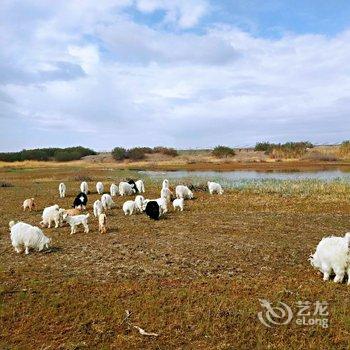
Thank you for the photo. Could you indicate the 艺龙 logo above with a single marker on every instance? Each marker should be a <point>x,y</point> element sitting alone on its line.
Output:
<point>308,314</point>
<point>275,315</point>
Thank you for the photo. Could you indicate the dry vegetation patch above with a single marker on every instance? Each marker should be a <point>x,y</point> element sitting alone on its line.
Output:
<point>194,277</point>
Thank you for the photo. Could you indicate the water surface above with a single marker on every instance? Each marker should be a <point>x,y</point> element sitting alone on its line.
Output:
<point>249,175</point>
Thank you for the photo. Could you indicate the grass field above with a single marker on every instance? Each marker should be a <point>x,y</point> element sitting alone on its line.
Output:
<point>195,278</point>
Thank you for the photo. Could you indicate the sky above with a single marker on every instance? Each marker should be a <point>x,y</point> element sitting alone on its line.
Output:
<point>177,73</point>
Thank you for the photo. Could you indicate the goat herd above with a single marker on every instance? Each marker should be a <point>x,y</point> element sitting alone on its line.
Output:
<point>332,254</point>
<point>26,236</point>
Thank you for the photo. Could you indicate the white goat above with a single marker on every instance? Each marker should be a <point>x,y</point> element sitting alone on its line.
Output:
<point>163,208</point>
<point>99,187</point>
<point>129,207</point>
<point>107,201</point>
<point>165,184</point>
<point>28,203</point>
<point>125,189</point>
<point>76,220</point>
<point>179,203</point>
<point>214,187</point>
<point>53,213</point>
<point>62,190</point>
<point>140,186</point>
<point>102,223</point>
<point>98,208</point>
<point>27,236</point>
<point>114,190</point>
<point>166,194</point>
<point>139,202</point>
<point>332,255</point>
<point>183,192</point>
<point>84,187</point>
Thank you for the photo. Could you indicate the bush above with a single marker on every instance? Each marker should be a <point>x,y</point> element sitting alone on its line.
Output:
<point>264,146</point>
<point>45,154</point>
<point>145,150</point>
<point>344,148</point>
<point>289,150</point>
<point>285,150</point>
<point>66,156</point>
<point>72,153</point>
<point>223,152</point>
<point>83,152</point>
<point>36,154</point>
<point>136,153</point>
<point>119,153</point>
<point>166,150</point>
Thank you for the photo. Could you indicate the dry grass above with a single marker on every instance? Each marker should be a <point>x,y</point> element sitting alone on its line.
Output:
<point>193,160</point>
<point>320,156</point>
<point>344,149</point>
<point>195,277</point>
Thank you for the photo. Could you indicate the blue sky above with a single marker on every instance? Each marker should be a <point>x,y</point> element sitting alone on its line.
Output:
<point>187,73</point>
<point>273,18</point>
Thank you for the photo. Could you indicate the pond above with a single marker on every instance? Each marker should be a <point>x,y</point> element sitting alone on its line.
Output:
<point>239,175</point>
<point>244,178</point>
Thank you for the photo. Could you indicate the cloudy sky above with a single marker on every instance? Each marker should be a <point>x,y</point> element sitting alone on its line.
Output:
<point>180,73</point>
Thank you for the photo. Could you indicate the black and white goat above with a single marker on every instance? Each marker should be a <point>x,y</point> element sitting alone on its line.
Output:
<point>80,201</point>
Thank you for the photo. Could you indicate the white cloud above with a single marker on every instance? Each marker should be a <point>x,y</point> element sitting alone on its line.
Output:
<point>135,43</point>
<point>184,13</point>
<point>99,74</point>
<point>86,56</point>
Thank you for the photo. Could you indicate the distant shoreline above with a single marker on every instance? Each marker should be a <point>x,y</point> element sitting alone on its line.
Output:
<point>174,165</point>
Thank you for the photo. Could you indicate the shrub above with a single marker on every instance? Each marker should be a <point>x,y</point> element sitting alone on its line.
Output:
<point>344,148</point>
<point>286,150</point>
<point>146,149</point>
<point>66,156</point>
<point>290,149</point>
<point>172,152</point>
<point>72,153</point>
<point>135,153</point>
<point>264,146</point>
<point>83,152</point>
<point>166,150</point>
<point>138,153</point>
<point>119,153</point>
<point>45,154</point>
<point>223,152</point>
<point>36,154</point>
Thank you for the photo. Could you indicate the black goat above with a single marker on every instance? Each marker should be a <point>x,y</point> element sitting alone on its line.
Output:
<point>152,210</point>
<point>80,200</point>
